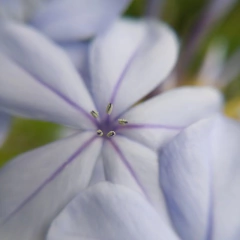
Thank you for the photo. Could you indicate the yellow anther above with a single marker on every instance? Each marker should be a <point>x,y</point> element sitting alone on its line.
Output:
<point>99,132</point>
<point>109,108</point>
<point>111,134</point>
<point>122,121</point>
<point>94,114</point>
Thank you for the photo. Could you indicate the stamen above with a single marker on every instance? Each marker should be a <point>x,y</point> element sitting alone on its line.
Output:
<point>111,134</point>
<point>99,132</point>
<point>94,114</point>
<point>122,121</point>
<point>109,108</point>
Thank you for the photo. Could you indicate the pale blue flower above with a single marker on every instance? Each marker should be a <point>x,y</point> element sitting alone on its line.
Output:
<point>200,178</point>
<point>68,22</point>
<point>112,212</point>
<point>38,81</point>
<point>64,20</point>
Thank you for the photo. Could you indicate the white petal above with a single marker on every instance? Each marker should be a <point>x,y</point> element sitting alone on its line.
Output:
<point>157,120</point>
<point>78,53</point>
<point>200,175</point>
<point>65,20</point>
<point>108,211</point>
<point>135,166</point>
<point>35,186</point>
<point>98,172</point>
<point>19,10</point>
<point>129,61</point>
<point>38,80</point>
<point>5,122</point>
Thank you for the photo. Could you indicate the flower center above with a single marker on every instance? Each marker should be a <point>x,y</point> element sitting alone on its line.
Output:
<point>106,127</point>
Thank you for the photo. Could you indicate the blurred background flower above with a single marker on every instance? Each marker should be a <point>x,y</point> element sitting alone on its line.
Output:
<point>210,40</point>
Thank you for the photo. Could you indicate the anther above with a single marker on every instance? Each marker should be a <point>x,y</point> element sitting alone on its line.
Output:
<point>94,114</point>
<point>109,108</point>
<point>111,134</point>
<point>122,121</point>
<point>99,132</point>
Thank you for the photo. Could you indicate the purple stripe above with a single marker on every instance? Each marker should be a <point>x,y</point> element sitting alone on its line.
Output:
<point>51,177</point>
<point>142,125</point>
<point>124,72</point>
<point>129,168</point>
<point>66,99</point>
<point>58,93</point>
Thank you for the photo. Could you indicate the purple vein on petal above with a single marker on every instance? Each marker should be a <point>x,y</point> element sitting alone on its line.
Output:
<point>129,168</point>
<point>58,93</point>
<point>51,178</point>
<point>67,100</point>
<point>124,72</point>
<point>143,125</point>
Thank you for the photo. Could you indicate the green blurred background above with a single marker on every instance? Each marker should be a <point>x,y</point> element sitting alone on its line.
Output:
<point>181,15</point>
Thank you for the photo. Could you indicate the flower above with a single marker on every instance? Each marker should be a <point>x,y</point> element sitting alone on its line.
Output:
<point>205,186</point>
<point>70,23</point>
<point>213,12</point>
<point>110,211</point>
<point>64,20</point>
<point>38,81</point>
<point>216,70</point>
<point>199,175</point>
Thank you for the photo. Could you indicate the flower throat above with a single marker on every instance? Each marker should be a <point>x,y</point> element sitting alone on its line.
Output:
<point>110,133</point>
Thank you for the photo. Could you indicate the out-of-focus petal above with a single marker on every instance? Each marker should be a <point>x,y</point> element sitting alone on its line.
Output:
<point>135,166</point>
<point>38,80</point>
<point>157,120</point>
<point>65,20</point>
<point>211,69</point>
<point>217,70</point>
<point>36,186</point>
<point>78,53</point>
<point>231,69</point>
<point>216,9</point>
<point>129,60</point>
<point>20,10</point>
<point>5,122</point>
<point>107,211</point>
<point>200,176</point>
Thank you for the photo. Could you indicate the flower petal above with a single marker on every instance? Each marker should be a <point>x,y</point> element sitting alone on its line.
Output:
<point>65,20</point>
<point>78,53</point>
<point>157,120</point>
<point>18,10</point>
<point>129,61</point>
<point>200,176</point>
<point>35,186</point>
<point>5,122</point>
<point>210,72</point>
<point>135,166</point>
<point>107,211</point>
<point>38,80</point>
